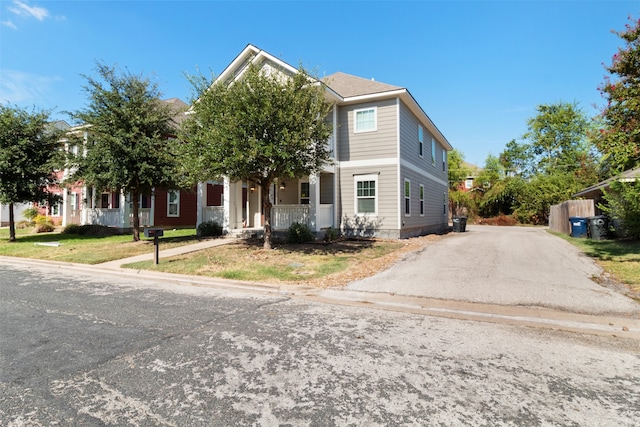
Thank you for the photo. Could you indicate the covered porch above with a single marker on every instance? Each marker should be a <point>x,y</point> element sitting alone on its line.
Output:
<point>238,205</point>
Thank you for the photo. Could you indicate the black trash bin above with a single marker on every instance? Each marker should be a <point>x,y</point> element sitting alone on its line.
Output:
<point>459,224</point>
<point>578,226</point>
<point>598,227</point>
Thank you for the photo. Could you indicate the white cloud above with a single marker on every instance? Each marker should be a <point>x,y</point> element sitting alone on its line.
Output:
<point>23,9</point>
<point>9,24</point>
<point>18,87</point>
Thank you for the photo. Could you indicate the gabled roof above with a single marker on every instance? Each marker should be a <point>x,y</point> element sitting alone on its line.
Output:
<point>628,175</point>
<point>178,108</point>
<point>340,87</point>
<point>348,86</point>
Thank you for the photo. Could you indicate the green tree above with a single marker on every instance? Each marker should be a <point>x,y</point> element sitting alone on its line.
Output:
<point>29,154</point>
<point>557,138</point>
<point>259,128</point>
<point>129,148</point>
<point>623,202</point>
<point>457,169</point>
<point>516,159</point>
<point>619,139</point>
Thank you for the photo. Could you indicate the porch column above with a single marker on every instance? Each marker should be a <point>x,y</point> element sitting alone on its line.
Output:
<point>199,202</point>
<point>84,205</point>
<point>226,204</point>
<point>124,209</point>
<point>65,207</point>
<point>152,211</point>
<point>314,201</point>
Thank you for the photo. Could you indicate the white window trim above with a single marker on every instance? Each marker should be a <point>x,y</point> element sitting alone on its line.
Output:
<point>420,141</point>
<point>177,202</point>
<point>405,198</point>
<point>300,198</point>
<point>375,120</point>
<point>370,177</point>
<point>421,197</point>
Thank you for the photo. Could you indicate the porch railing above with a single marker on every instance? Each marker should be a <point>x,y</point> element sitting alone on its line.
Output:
<point>101,216</point>
<point>284,215</point>
<point>145,217</point>
<point>213,213</point>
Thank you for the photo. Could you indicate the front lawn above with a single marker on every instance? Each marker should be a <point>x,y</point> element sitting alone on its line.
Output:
<point>316,264</point>
<point>57,246</point>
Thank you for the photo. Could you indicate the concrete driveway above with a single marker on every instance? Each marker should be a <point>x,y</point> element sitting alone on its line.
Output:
<point>516,266</point>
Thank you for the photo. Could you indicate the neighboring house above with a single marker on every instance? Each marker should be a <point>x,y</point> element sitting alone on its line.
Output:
<point>470,180</point>
<point>595,192</point>
<point>18,208</point>
<point>388,177</point>
<point>80,204</point>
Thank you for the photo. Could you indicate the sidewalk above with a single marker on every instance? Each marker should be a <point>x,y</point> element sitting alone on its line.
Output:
<point>206,244</point>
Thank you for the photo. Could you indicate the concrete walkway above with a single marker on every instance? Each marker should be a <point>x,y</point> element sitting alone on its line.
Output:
<point>206,244</point>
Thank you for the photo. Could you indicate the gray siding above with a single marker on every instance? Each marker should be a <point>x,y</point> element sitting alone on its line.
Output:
<point>435,202</point>
<point>368,145</point>
<point>386,221</point>
<point>409,146</point>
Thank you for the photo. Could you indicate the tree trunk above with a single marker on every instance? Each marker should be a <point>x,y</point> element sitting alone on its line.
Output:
<point>12,224</point>
<point>266,207</point>
<point>135,196</point>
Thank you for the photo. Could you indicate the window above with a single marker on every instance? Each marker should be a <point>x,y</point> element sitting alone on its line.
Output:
<point>366,197</point>
<point>444,203</point>
<point>433,151</point>
<point>365,120</point>
<point>444,160</point>
<point>173,203</point>
<point>420,140</point>
<point>421,200</point>
<point>55,209</point>
<point>468,183</point>
<point>104,201</point>
<point>407,197</point>
<point>74,202</point>
<point>304,193</point>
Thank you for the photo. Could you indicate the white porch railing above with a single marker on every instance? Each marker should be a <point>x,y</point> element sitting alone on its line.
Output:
<point>101,216</point>
<point>213,213</point>
<point>112,217</point>
<point>145,217</point>
<point>284,215</point>
<point>325,216</point>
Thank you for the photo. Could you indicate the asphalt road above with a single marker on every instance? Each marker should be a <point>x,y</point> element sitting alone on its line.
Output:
<point>104,349</point>
<point>514,266</point>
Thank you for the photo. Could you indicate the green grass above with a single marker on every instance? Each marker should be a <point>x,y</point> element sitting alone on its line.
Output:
<point>620,258</point>
<point>247,261</point>
<point>86,249</point>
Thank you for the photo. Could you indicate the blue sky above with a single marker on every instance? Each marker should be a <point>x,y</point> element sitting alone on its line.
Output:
<point>478,68</point>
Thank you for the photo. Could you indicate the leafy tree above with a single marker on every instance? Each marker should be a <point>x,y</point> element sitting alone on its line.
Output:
<point>619,139</point>
<point>29,155</point>
<point>516,159</point>
<point>129,126</point>
<point>457,169</point>
<point>262,127</point>
<point>538,194</point>
<point>623,202</point>
<point>557,139</point>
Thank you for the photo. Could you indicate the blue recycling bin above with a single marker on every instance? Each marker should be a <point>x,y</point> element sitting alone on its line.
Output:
<point>578,226</point>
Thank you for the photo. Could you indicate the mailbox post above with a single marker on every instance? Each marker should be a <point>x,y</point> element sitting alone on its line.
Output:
<point>155,233</point>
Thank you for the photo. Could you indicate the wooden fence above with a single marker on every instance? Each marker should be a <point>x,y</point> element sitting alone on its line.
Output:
<point>560,214</point>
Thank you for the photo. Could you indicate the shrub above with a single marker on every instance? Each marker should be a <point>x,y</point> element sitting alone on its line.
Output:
<point>42,219</point>
<point>24,224</point>
<point>209,228</point>
<point>90,230</point>
<point>331,234</point>
<point>299,233</point>
<point>46,227</point>
<point>30,213</point>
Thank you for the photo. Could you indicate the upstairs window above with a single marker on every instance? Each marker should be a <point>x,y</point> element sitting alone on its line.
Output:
<point>420,140</point>
<point>444,160</point>
<point>365,120</point>
<point>433,151</point>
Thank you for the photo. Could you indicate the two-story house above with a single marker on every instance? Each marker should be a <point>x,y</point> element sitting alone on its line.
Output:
<point>388,177</point>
